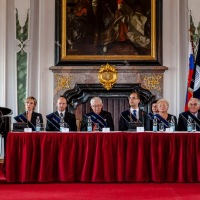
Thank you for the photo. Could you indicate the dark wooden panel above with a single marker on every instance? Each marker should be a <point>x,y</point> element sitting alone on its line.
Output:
<point>115,100</point>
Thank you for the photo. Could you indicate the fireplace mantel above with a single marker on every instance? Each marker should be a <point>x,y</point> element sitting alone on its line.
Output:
<point>66,78</point>
<point>120,69</point>
<point>149,77</point>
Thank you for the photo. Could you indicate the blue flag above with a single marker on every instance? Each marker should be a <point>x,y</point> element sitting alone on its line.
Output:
<point>196,76</point>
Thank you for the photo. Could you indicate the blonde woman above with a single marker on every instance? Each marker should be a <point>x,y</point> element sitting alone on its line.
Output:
<point>30,114</point>
<point>163,116</point>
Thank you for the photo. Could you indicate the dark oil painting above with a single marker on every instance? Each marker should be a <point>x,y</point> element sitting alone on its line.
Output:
<point>109,30</point>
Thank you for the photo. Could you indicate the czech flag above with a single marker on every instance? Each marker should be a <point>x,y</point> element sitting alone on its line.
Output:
<point>190,87</point>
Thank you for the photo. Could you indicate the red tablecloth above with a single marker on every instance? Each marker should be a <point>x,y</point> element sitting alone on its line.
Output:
<point>103,157</point>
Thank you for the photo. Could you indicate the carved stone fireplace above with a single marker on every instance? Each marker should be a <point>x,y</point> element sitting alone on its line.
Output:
<point>80,83</point>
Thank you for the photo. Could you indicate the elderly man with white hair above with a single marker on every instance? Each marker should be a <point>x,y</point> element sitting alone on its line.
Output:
<point>98,116</point>
<point>193,113</point>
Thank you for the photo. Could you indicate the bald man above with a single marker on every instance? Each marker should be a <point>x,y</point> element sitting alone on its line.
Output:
<point>68,117</point>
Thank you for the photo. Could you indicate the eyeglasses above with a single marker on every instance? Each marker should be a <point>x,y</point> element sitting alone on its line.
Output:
<point>96,106</point>
<point>193,104</point>
<point>133,98</point>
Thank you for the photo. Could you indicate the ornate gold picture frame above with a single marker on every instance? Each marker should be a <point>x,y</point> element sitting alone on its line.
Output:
<point>101,31</point>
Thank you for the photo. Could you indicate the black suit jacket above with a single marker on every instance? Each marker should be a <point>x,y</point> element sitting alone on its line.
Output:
<point>69,118</point>
<point>34,117</point>
<point>105,115</point>
<point>182,121</point>
<point>124,123</point>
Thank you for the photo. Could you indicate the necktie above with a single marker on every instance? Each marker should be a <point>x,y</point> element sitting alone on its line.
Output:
<point>134,113</point>
<point>61,115</point>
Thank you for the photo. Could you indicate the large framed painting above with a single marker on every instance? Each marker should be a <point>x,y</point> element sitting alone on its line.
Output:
<point>121,32</point>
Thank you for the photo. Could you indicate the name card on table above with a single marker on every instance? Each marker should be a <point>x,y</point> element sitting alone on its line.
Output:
<point>105,129</point>
<point>140,129</point>
<point>64,130</point>
<point>171,129</point>
<point>28,130</point>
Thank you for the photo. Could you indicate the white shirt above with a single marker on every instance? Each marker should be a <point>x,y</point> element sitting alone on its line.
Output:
<point>137,112</point>
<point>63,112</point>
<point>196,114</point>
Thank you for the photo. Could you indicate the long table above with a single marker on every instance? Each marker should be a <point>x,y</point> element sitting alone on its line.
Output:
<point>103,157</point>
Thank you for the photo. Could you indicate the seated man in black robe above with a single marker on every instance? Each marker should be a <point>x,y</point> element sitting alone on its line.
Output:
<point>134,114</point>
<point>98,116</point>
<point>53,119</point>
<point>193,113</point>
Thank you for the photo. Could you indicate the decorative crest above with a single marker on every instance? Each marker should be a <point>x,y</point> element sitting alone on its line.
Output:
<point>107,76</point>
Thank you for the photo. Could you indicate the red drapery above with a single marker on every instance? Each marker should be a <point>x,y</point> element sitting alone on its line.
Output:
<point>103,157</point>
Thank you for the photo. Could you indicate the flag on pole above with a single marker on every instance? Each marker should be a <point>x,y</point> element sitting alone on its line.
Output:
<point>189,92</point>
<point>193,87</point>
<point>196,75</point>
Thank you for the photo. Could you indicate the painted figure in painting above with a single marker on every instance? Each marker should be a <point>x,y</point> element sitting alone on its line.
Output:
<point>80,19</point>
<point>108,27</point>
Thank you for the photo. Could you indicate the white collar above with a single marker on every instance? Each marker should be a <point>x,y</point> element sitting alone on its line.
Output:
<point>137,110</point>
<point>63,112</point>
<point>196,114</point>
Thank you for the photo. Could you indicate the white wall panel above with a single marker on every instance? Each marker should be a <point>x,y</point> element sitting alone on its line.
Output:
<point>174,56</point>
<point>46,55</point>
<point>2,52</point>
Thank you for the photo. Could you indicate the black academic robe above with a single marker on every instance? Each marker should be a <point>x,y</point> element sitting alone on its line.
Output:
<point>169,117</point>
<point>183,119</point>
<point>105,115</point>
<point>34,117</point>
<point>125,119</point>
<point>69,118</point>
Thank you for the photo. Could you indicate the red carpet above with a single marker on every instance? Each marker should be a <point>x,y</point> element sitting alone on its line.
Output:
<point>100,191</point>
<point>84,191</point>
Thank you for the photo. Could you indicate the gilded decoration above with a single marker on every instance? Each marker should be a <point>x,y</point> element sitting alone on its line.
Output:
<point>107,76</point>
<point>63,82</point>
<point>153,82</point>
